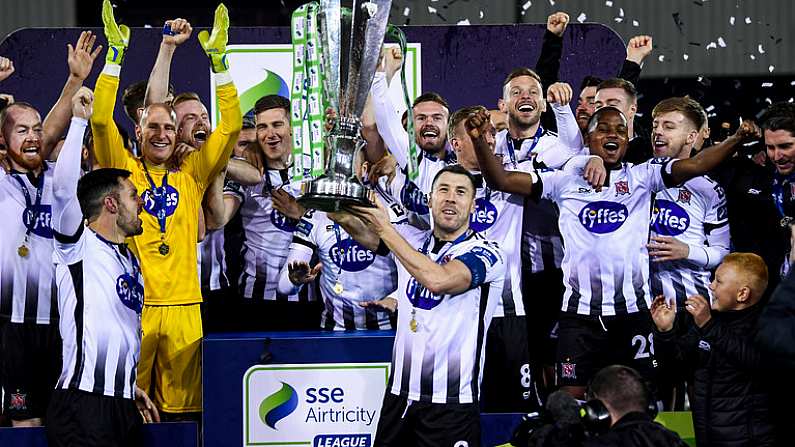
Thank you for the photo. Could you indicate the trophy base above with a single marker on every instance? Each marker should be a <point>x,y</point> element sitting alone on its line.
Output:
<point>332,195</point>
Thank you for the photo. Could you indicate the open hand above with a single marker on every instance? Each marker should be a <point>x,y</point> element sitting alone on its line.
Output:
<point>80,58</point>
<point>300,272</point>
<point>388,303</point>
<point>663,314</point>
<point>145,406</point>
<point>699,308</point>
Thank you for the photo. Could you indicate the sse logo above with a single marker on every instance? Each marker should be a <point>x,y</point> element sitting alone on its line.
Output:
<point>278,405</point>
<point>355,257</point>
<point>484,216</point>
<point>668,218</point>
<point>603,217</point>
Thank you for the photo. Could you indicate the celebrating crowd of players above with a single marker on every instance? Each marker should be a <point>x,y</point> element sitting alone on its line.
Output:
<point>527,257</point>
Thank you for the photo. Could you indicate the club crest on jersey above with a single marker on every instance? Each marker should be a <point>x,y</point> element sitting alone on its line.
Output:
<point>131,292</point>
<point>684,196</point>
<point>484,216</point>
<point>420,297</point>
<point>414,199</point>
<point>18,402</point>
<point>568,370</point>
<point>622,188</point>
<point>150,200</point>
<point>37,220</point>
<point>283,222</point>
<point>668,218</point>
<point>351,256</point>
<point>603,217</point>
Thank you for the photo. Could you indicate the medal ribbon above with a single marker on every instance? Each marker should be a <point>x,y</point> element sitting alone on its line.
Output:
<point>28,204</point>
<point>512,151</point>
<point>159,196</point>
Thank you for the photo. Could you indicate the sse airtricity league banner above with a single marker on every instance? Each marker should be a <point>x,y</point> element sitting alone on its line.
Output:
<point>264,69</point>
<point>317,405</point>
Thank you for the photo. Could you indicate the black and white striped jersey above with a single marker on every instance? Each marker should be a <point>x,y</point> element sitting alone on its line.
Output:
<point>212,261</point>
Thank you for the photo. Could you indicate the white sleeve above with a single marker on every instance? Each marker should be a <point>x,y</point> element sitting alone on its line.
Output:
<point>654,172</point>
<point>577,164</point>
<point>296,253</point>
<point>550,182</point>
<point>716,231</point>
<point>66,215</point>
<point>568,130</point>
<point>388,122</point>
<point>70,249</point>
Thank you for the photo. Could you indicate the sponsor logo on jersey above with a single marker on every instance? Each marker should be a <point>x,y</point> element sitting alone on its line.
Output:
<point>622,188</point>
<point>603,216</point>
<point>414,199</point>
<point>484,216</point>
<point>130,292</point>
<point>668,218</point>
<point>150,201</point>
<point>684,196</point>
<point>283,222</point>
<point>420,297</point>
<point>350,256</point>
<point>37,220</point>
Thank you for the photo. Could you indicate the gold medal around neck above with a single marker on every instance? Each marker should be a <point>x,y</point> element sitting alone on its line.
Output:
<point>23,251</point>
<point>163,249</point>
<point>338,289</point>
<point>413,323</point>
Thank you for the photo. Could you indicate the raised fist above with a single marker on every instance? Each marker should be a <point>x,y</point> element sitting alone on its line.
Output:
<point>747,130</point>
<point>6,67</point>
<point>638,48</point>
<point>478,124</point>
<point>176,31</point>
<point>83,103</point>
<point>557,22</point>
<point>559,93</point>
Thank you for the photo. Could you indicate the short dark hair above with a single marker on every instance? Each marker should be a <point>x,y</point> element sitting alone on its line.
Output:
<point>455,169</point>
<point>94,186</point>
<point>590,81</point>
<point>249,122</point>
<point>622,388</point>
<point>521,71</point>
<point>684,105</point>
<point>430,97</point>
<point>779,116</point>
<point>595,117</point>
<point>623,84</point>
<point>461,115</point>
<point>6,110</point>
<point>133,98</point>
<point>272,102</point>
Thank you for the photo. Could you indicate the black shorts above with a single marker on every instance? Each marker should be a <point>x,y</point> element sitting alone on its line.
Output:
<point>79,418</point>
<point>421,424</point>
<point>31,361</point>
<point>542,293</point>
<point>508,377</point>
<point>587,344</point>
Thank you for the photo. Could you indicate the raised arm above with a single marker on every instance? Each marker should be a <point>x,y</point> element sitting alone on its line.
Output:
<point>559,98</point>
<point>243,172</point>
<point>638,48</point>
<point>708,159</point>
<point>80,60</point>
<point>514,182</point>
<point>548,64</point>
<point>175,32</point>
<point>375,149</point>
<point>66,214</point>
<point>387,121</point>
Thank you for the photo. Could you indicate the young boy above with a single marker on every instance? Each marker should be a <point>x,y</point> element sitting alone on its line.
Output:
<point>729,401</point>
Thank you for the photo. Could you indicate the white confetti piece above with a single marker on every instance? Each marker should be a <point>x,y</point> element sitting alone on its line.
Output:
<point>621,12</point>
<point>481,14</point>
<point>721,42</point>
<point>527,5</point>
<point>463,22</point>
<point>431,10</point>
<point>753,58</point>
<point>791,100</point>
<point>747,20</point>
<point>768,100</point>
<point>147,26</point>
<point>731,20</point>
<point>767,84</point>
<point>792,83</point>
<point>639,114</point>
<point>581,18</point>
<point>406,11</point>
<point>609,3</point>
<point>710,108</point>
<point>771,68</point>
<point>661,58</point>
<point>712,115</point>
<point>711,45</point>
<point>685,56</point>
<point>635,23</point>
<point>761,50</point>
<point>619,19</point>
<point>700,78</point>
<point>552,2</point>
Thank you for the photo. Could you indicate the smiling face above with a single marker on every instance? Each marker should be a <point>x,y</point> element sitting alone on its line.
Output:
<point>780,145</point>
<point>430,121</point>
<point>452,201</point>
<point>22,134</point>
<point>157,133</point>
<point>273,135</point>
<point>673,135</point>
<point>523,101</point>
<point>193,122</point>
<point>607,136</point>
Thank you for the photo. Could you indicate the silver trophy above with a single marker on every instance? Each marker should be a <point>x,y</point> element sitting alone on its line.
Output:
<point>351,49</point>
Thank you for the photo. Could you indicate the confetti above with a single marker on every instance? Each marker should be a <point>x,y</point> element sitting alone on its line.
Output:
<point>463,22</point>
<point>767,84</point>
<point>685,56</point>
<point>619,19</point>
<point>635,23</point>
<point>712,115</point>
<point>661,58</point>
<point>581,18</point>
<point>609,3</point>
<point>731,20</point>
<point>710,108</point>
<point>639,114</point>
<point>791,100</point>
<point>711,45</point>
<point>753,58</point>
<point>721,42</point>
<point>431,10</point>
<point>406,11</point>
<point>747,20</point>
<point>761,50</point>
<point>527,5</point>
<point>621,12</point>
<point>771,68</point>
<point>552,2</point>
<point>481,14</point>
<point>792,83</point>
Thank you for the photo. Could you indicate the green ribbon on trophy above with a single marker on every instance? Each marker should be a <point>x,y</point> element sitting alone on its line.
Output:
<point>307,95</point>
<point>397,34</point>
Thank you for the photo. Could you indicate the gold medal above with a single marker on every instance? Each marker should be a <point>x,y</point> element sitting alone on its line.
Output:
<point>163,249</point>
<point>413,323</point>
<point>23,251</point>
<point>338,289</point>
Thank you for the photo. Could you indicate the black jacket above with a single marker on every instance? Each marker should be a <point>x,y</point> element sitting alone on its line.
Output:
<point>637,430</point>
<point>730,399</point>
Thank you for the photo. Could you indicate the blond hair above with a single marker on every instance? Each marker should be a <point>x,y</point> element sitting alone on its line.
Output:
<point>753,270</point>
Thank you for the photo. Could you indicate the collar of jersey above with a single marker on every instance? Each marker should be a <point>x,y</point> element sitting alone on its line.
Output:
<point>617,167</point>
<point>99,236</point>
<point>44,168</point>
